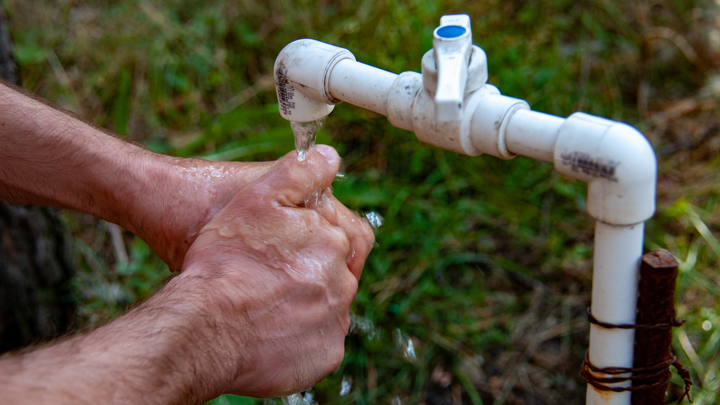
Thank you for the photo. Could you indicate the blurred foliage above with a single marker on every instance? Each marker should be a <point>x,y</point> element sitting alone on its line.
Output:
<point>484,263</point>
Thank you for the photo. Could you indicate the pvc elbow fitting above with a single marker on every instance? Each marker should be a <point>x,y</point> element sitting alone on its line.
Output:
<point>616,161</point>
<point>302,76</point>
<point>491,115</point>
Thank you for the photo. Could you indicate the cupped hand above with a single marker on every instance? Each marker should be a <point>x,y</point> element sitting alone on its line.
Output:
<point>278,268</point>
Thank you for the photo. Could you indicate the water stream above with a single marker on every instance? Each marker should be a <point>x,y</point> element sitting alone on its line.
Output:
<point>305,135</point>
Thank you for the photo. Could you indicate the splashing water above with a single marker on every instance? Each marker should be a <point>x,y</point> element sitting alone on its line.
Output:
<point>405,345</point>
<point>374,219</point>
<point>305,135</point>
<point>299,399</point>
<point>345,385</point>
<point>294,399</point>
<point>396,401</point>
<point>361,325</point>
<point>309,398</point>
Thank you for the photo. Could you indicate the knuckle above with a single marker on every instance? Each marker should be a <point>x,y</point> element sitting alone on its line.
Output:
<point>346,322</point>
<point>369,238</point>
<point>367,229</point>
<point>338,240</point>
<point>366,232</point>
<point>348,289</point>
<point>336,357</point>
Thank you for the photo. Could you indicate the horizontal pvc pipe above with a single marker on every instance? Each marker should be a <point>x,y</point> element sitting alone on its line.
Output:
<point>532,134</point>
<point>362,85</point>
<point>618,250</point>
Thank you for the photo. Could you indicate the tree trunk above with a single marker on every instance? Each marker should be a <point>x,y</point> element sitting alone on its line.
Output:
<point>36,300</point>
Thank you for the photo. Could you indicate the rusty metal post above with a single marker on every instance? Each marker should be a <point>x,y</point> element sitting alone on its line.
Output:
<point>656,306</point>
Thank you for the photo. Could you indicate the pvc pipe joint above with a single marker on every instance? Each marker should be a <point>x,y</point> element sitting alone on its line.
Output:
<point>616,161</point>
<point>302,75</point>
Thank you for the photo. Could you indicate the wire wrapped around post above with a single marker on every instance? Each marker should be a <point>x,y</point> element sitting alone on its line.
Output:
<point>650,374</point>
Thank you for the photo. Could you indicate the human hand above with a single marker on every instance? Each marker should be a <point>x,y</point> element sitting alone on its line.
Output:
<point>277,269</point>
<point>180,196</point>
<point>261,308</point>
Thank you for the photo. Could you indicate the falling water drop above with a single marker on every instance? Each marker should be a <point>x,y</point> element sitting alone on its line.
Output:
<point>374,219</point>
<point>345,385</point>
<point>294,399</point>
<point>405,345</point>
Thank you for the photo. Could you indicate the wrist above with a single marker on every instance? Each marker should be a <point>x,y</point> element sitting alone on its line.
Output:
<point>204,357</point>
<point>157,353</point>
<point>147,194</point>
<point>166,200</point>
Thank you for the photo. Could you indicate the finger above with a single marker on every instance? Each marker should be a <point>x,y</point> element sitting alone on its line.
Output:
<point>296,183</point>
<point>357,230</point>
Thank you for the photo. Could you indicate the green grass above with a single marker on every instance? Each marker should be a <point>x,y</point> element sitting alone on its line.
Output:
<point>485,263</point>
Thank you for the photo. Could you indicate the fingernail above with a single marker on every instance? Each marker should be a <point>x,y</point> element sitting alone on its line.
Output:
<point>327,151</point>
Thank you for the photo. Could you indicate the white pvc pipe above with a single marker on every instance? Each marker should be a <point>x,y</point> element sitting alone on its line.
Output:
<point>533,134</point>
<point>362,85</point>
<point>615,160</point>
<point>614,297</point>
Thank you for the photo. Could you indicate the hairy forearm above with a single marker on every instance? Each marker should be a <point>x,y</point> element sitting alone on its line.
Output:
<point>48,157</point>
<point>152,355</point>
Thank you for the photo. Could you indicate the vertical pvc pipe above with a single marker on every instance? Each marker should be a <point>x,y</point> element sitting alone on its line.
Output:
<point>614,298</point>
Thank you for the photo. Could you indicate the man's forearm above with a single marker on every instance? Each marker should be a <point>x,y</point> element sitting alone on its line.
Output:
<point>151,355</point>
<point>48,157</point>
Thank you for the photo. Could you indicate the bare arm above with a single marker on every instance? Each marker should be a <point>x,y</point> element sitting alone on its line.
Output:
<point>260,309</point>
<point>48,157</point>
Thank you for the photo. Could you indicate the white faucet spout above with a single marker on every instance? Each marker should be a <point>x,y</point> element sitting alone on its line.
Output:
<point>302,79</point>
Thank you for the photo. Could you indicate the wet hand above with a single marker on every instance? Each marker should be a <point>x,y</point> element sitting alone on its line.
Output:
<point>183,196</point>
<point>276,271</point>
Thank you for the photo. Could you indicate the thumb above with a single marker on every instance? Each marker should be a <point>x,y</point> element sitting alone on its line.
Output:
<point>292,182</point>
